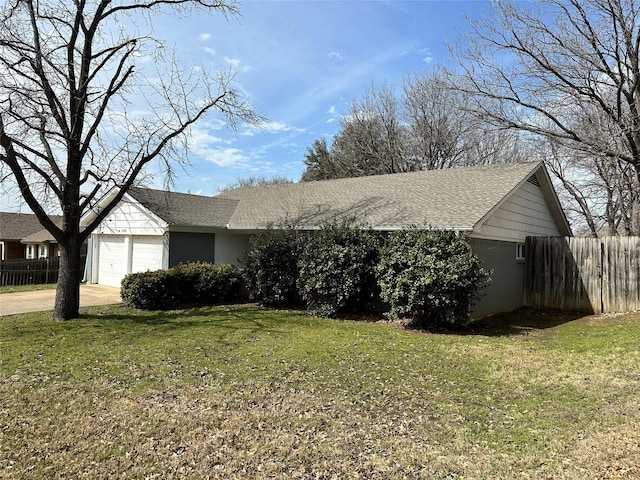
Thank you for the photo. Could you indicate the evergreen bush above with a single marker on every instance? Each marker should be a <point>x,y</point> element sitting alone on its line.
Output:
<point>271,267</point>
<point>337,268</point>
<point>194,283</point>
<point>430,276</point>
<point>150,290</point>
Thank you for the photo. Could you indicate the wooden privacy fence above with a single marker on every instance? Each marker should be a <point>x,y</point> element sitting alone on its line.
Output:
<point>29,272</point>
<point>596,275</point>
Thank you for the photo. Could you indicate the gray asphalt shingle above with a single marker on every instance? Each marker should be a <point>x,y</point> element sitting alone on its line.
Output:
<point>16,226</point>
<point>184,209</point>
<point>454,198</point>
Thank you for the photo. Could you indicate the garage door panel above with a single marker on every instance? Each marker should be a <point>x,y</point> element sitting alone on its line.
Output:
<point>147,254</point>
<point>121,254</point>
<point>112,260</point>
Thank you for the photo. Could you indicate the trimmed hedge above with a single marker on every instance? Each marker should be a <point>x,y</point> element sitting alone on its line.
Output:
<point>195,283</point>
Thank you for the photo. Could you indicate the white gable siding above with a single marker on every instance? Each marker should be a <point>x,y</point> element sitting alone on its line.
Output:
<point>524,213</point>
<point>131,218</point>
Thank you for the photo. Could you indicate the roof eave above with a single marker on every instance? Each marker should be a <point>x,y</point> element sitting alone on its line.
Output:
<point>380,228</point>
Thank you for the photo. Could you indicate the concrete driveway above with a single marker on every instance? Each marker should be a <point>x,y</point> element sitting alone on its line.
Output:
<point>42,300</point>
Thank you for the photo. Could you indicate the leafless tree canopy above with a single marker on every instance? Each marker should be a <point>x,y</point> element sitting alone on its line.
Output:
<point>568,71</point>
<point>255,181</point>
<point>82,110</point>
<point>425,128</point>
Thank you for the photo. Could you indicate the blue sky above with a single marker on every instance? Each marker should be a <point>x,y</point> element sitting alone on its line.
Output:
<point>300,63</point>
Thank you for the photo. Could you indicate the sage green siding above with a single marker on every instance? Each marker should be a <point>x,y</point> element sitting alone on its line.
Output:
<point>506,290</point>
<point>231,247</point>
<point>191,247</point>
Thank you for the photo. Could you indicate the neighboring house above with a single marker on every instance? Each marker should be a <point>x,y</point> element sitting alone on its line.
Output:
<point>498,206</point>
<point>22,236</point>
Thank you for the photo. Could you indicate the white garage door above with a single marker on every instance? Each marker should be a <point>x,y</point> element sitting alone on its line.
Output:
<point>147,254</point>
<point>112,260</point>
<point>119,255</point>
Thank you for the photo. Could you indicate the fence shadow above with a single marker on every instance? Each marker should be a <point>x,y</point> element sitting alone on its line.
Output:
<point>520,322</point>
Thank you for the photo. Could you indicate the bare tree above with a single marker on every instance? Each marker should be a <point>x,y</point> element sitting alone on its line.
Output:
<point>255,181</point>
<point>372,137</point>
<point>79,114</point>
<point>597,192</point>
<point>567,70</point>
<point>427,128</point>
<point>438,125</point>
<point>444,134</point>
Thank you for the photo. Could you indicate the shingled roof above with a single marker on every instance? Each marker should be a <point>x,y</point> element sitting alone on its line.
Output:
<point>17,226</point>
<point>452,199</point>
<point>186,210</point>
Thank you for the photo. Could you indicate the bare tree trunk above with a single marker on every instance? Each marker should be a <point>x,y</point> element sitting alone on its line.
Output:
<point>67,304</point>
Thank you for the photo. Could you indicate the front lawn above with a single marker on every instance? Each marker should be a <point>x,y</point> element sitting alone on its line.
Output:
<point>240,392</point>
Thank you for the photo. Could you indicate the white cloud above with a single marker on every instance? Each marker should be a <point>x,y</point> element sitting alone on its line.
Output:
<point>207,146</point>
<point>333,114</point>
<point>427,56</point>
<point>203,37</point>
<point>209,50</point>
<point>236,63</point>
<point>335,56</point>
<point>200,136</point>
<point>273,127</point>
<point>225,157</point>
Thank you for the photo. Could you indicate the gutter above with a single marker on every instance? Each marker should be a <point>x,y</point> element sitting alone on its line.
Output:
<point>379,228</point>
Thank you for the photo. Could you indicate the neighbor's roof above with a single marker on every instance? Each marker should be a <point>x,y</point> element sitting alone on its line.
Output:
<point>41,236</point>
<point>17,226</point>
<point>184,209</point>
<point>454,198</point>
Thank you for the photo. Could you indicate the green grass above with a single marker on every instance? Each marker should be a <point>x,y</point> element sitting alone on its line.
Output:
<point>26,288</point>
<point>240,392</point>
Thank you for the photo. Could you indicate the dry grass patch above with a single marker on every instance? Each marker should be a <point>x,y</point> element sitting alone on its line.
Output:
<point>246,393</point>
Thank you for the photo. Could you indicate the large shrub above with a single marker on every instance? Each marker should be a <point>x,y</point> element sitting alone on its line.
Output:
<point>195,283</point>
<point>271,267</point>
<point>430,276</point>
<point>207,284</point>
<point>337,268</point>
<point>150,290</point>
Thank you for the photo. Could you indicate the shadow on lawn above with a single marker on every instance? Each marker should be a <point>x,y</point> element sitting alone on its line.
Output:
<point>236,317</point>
<point>159,317</point>
<point>249,317</point>
<point>519,322</point>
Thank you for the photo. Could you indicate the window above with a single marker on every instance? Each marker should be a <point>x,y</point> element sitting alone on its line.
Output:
<point>520,252</point>
<point>42,251</point>
<point>1,250</point>
<point>29,252</point>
